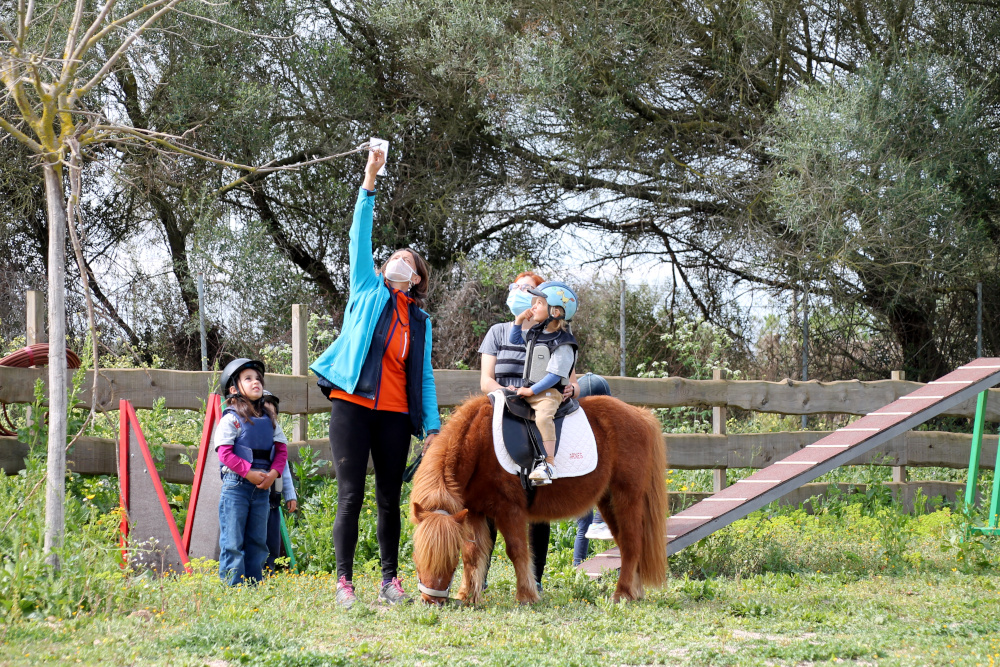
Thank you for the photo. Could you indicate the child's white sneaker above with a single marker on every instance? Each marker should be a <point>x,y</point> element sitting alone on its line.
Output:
<point>542,474</point>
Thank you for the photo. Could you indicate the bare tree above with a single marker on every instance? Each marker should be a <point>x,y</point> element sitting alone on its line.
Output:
<point>53,61</point>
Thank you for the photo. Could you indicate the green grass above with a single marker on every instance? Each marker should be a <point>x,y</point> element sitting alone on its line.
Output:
<point>920,618</point>
<point>859,582</point>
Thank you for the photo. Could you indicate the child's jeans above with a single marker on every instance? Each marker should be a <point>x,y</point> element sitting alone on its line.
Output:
<point>545,405</point>
<point>243,510</point>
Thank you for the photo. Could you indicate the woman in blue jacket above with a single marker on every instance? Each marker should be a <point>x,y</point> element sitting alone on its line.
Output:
<point>378,377</point>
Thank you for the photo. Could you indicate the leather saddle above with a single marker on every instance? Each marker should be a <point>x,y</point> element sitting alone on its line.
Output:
<point>520,435</point>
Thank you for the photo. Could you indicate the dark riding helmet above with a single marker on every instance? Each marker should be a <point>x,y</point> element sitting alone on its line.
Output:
<point>232,371</point>
<point>268,397</point>
<point>593,385</point>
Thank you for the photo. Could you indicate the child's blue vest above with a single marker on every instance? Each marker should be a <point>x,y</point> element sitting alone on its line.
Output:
<point>255,440</point>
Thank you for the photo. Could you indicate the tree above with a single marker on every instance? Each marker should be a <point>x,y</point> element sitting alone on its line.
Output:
<point>647,120</point>
<point>886,194</point>
<point>49,92</point>
<point>52,108</point>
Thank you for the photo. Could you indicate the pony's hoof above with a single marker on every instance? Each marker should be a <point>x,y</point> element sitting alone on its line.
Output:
<point>624,596</point>
<point>529,598</point>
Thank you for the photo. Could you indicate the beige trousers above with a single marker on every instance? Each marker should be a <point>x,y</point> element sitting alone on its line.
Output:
<point>545,405</point>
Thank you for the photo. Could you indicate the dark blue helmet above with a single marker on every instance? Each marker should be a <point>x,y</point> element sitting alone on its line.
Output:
<point>232,372</point>
<point>593,385</point>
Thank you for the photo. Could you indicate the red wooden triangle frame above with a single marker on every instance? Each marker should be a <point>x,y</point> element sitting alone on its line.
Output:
<point>213,413</point>
<point>128,419</point>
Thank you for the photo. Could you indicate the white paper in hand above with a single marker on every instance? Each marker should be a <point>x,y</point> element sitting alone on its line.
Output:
<point>383,145</point>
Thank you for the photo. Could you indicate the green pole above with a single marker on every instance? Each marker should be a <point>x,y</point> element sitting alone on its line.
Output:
<point>285,539</point>
<point>977,445</point>
<point>996,492</point>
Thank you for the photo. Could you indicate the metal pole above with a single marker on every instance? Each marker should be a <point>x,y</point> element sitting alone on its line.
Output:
<point>201,320</point>
<point>979,320</point>
<point>621,324</point>
<point>805,344</point>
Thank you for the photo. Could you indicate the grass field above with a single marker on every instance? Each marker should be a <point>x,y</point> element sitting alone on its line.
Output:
<point>772,619</point>
<point>860,581</point>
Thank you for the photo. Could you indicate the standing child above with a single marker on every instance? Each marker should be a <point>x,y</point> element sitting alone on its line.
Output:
<point>552,307</point>
<point>283,491</point>
<point>252,454</point>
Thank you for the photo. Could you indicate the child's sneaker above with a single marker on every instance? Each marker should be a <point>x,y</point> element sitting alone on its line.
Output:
<point>392,592</point>
<point>345,593</point>
<point>542,474</point>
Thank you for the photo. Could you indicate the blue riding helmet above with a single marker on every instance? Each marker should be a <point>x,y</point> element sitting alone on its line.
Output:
<point>593,385</point>
<point>558,293</point>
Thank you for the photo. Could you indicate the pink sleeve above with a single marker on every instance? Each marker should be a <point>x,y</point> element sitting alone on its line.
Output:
<point>280,457</point>
<point>229,459</point>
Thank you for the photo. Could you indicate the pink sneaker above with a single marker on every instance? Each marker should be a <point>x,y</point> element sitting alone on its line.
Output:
<point>345,593</point>
<point>392,592</point>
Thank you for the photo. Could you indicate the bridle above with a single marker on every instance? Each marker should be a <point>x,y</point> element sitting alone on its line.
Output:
<point>433,592</point>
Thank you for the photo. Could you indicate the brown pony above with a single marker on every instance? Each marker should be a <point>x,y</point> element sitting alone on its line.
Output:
<point>460,483</point>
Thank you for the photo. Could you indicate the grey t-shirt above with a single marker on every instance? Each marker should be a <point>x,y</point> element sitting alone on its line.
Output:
<point>561,361</point>
<point>510,358</point>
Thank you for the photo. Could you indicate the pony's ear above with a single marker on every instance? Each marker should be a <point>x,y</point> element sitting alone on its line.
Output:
<point>459,517</point>
<point>419,512</point>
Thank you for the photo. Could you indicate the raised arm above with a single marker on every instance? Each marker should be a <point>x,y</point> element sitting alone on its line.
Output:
<point>376,160</point>
<point>361,256</point>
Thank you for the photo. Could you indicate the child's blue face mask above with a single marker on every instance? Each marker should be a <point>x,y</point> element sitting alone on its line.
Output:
<point>518,301</point>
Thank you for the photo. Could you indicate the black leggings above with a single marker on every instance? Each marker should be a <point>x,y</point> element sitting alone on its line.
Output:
<point>356,432</point>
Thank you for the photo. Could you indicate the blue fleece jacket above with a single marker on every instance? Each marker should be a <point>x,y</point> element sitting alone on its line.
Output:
<point>342,363</point>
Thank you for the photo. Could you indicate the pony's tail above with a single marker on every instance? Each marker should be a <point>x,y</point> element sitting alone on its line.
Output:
<point>653,559</point>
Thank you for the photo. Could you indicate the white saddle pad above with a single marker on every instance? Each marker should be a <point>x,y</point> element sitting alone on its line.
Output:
<point>577,453</point>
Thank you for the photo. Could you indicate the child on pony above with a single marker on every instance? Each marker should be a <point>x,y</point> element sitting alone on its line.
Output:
<point>552,307</point>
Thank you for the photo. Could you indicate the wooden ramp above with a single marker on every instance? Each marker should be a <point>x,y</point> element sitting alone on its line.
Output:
<point>837,449</point>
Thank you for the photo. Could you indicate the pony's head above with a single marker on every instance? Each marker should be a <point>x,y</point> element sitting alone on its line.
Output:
<point>437,543</point>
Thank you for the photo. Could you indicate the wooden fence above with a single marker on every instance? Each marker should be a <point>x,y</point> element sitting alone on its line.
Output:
<point>716,451</point>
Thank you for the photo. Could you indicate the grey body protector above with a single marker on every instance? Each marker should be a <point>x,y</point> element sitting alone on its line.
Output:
<point>538,353</point>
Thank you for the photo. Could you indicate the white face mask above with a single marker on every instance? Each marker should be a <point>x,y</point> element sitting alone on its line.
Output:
<point>398,271</point>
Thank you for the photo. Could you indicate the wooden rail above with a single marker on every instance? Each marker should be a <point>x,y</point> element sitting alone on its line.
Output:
<point>299,394</point>
<point>96,456</point>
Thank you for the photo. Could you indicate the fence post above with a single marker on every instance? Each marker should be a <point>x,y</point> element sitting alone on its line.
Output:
<point>35,302</point>
<point>719,428</point>
<point>300,362</point>
<point>899,472</point>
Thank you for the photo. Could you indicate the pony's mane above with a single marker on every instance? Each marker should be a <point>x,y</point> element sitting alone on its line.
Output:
<point>439,545</point>
<point>435,486</point>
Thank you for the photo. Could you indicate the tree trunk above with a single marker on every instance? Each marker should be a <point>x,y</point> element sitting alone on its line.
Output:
<point>912,326</point>
<point>55,490</point>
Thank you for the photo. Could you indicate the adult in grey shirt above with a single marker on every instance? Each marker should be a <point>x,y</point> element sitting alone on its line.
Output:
<point>502,365</point>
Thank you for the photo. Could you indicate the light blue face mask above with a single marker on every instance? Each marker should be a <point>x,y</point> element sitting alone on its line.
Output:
<point>518,302</point>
